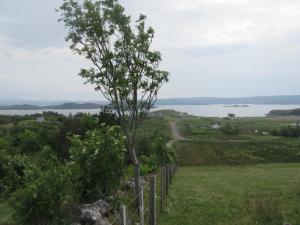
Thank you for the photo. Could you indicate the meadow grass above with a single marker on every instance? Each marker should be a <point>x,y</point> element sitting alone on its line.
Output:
<point>263,194</point>
<point>207,146</point>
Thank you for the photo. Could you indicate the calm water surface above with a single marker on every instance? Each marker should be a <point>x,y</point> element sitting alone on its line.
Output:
<point>197,110</point>
<point>223,110</point>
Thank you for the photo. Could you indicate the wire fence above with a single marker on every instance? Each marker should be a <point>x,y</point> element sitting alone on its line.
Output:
<point>143,208</point>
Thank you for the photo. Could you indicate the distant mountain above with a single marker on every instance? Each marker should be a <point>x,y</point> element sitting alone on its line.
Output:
<point>49,107</point>
<point>74,106</point>
<point>45,102</point>
<point>280,100</point>
<point>20,107</point>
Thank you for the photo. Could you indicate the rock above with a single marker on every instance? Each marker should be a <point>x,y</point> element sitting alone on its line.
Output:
<point>92,214</point>
<point>130,183</point>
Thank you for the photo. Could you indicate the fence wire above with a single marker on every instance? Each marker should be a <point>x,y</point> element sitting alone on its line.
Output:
<point>132,209</point>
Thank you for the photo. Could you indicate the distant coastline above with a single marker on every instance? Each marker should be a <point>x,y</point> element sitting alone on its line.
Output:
<point>289,112</point>
<point>53,107</point>
<point>50,104</point>
<point>18,104</point>
<point>230,106</point>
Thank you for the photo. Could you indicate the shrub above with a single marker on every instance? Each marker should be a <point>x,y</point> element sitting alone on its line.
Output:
<point>153,152</point>
<point>228,129</point>
<point>11,171</point>
<point>48,193</point>
<point>98,162</point>
<point>287,131</point>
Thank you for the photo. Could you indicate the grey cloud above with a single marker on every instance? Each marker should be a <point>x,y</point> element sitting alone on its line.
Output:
<point>31,23</point>
<point>212,50</point>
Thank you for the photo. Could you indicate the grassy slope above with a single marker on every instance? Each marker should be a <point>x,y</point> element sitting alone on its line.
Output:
<point>212,147</point>
<point>241,195</point>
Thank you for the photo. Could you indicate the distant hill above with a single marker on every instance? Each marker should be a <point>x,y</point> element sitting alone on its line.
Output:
<point>45,102</point>
<point>280,100</point>
<point>288,112</point>
<point>74,106</point>
<point>62,106</point>
<point>20,107</point>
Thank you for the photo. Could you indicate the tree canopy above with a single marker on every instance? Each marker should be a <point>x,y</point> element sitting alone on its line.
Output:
<point>124,67</point>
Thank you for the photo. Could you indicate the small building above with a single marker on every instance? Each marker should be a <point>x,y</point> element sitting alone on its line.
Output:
<point>231,115</point>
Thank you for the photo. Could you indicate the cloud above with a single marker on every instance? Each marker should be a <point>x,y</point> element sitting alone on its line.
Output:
<point>49,72</point>
<point>211,48</point>
<point>31,23</point>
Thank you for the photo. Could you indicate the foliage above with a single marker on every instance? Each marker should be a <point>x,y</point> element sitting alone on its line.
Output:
<point>28,141</point>
<point>47,194</point>
<point>124,67</point>
<point>230,129</point>
<point>153,152</point>
<point>287,131</point>
<point>11,172</point>
<point>107,116</point>
<point>97,161</point>
<point>37,156</point>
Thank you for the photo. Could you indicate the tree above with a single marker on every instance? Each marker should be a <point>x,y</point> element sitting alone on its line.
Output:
<point>124,67</point>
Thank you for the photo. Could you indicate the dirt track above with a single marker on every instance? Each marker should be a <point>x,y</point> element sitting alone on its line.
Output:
<point>175,132</point>
<point>176,135</point>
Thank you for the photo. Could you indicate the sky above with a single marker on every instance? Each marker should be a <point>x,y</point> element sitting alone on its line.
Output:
<point>217,48</point>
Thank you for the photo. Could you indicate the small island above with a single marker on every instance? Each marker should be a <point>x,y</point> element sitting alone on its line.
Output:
<point>236,106</point>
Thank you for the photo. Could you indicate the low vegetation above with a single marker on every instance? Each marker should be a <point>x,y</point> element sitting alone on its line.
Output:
<point>288,112</point>
<point>263,194</point>
<point>50,163</point>
<point>237,141</point>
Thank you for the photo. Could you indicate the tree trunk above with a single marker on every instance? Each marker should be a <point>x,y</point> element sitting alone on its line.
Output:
<point>137,183</point>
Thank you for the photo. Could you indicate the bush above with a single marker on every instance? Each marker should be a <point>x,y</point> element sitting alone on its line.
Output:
<point>11,172</point>
<point>47,194</point>
<point>153,152</point>
<point>228,129</point>
<point>98,162</point>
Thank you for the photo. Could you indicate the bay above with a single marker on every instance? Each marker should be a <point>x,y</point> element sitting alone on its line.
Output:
<point>197,110</point>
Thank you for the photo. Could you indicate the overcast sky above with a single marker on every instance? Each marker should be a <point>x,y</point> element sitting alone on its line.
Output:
<point>224,48</point>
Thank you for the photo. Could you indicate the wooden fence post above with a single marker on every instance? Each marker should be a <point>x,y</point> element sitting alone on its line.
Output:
<point>137,185</point>
<point>141,197</point>
<point>171,174</point>
<point>161,188</point>
<point>152,206</point>
<point>170,171</point>
<point>173,170</point>
<point>166,180</point>
<point>123,215</point>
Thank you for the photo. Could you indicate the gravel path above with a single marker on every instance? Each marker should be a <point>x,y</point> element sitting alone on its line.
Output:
<point>176,135</point>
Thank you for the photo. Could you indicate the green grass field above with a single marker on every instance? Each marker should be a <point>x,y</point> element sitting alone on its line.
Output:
<point>207,146</point>
<point>264,194</point>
